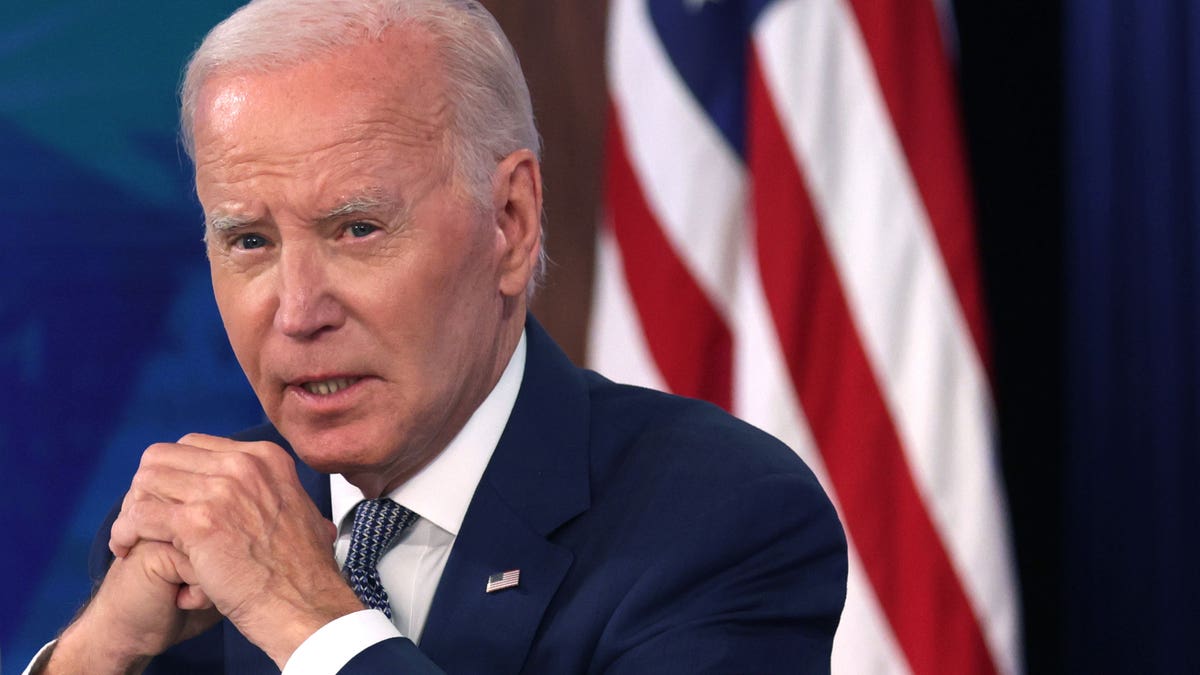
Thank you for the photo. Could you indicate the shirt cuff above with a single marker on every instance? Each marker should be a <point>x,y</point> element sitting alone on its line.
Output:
<point>38,664</point>
<point>333,645</point>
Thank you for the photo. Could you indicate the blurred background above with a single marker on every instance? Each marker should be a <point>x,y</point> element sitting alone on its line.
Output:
<point>1082,129</point>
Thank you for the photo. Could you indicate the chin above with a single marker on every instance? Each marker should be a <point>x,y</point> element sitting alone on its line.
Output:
<point>333,451</point>
<point>349,452</point>
<point>324,462</point>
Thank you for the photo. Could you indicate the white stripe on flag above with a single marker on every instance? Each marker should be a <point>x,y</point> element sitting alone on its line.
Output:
<point>692,180</point>
<point>764,397</point>
<point>864,642</point>
<point>915,336</point>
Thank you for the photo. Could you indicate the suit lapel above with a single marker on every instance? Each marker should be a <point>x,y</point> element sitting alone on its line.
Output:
<point>471,631</point>
<point>536,481</point>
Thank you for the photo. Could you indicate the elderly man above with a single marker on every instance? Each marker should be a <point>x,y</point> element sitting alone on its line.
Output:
<point>436,473</point>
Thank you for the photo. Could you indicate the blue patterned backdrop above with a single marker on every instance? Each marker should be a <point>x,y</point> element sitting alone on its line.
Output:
<point>109,338</point>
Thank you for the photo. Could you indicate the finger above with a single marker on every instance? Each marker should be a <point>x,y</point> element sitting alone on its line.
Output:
<point>184,474</point>
<point>162,482</point>
<point>203,454</point>
<point>121,543</point>
<point>118,547</point>
<point>275,458</point>
<point>263,449</point>
<point>220,457</point>
<point>180,456</point>
<point>183,567</point>
<point>150,520</point>
<point>209,442</point>
<point>192,598</point>
<point>150,484</point>
<point>172,484</point>
<point>162,561</point>
<point>190,595</point>
<point>331,532</point>
<point>168,472</point>
<point>178,482</point>
<point>119,550</point>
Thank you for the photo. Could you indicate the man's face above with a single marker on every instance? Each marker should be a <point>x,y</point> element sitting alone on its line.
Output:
<point>362,290</point>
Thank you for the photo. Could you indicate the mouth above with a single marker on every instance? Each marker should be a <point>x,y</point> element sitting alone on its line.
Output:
<point>328,387</point>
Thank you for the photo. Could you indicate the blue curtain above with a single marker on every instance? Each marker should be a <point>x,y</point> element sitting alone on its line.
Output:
<point>1132,242</point>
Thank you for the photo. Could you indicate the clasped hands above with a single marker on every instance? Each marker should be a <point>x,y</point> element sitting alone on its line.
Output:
<point>211,527</point>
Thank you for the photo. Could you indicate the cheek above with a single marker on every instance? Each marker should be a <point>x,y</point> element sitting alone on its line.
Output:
<point>242,343</point>
<point>468,268</point>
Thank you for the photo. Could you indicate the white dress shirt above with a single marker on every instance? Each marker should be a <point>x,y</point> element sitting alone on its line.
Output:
<point>411,568</point>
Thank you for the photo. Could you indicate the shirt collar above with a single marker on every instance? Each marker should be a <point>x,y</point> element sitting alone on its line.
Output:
<point>442,491</point>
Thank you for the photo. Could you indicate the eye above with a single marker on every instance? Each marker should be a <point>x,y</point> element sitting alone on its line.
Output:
<point>360,229</point>
<point>250,241</point>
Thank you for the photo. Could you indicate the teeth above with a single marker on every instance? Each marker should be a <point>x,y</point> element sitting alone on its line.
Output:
<point>327,387</point>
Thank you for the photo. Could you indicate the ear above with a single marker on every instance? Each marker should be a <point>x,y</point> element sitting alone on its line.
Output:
<point>517,205</point>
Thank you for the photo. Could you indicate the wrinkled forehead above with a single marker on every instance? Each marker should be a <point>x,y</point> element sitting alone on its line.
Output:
<point>387,91</point>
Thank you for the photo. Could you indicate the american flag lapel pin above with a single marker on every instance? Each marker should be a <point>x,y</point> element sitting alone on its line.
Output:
<point>502,580</point>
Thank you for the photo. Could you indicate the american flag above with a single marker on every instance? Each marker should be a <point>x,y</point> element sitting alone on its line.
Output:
<point>788,232</point>
<point>502,580</point>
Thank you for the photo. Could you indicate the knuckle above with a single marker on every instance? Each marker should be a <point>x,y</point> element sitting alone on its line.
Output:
<point>153,454</point>
<point>239,465</point>
<point>277,458</point>
<point>203,518</point>
<point>143,479</point>
<point>132,495</point>
<point>129,507</point>
<point>135,511</point>
<point>268,448</point>
<point>265,450</point>
<point>222,489</point>
<point>189,439</point>
<point>119,526</point>
<point>125,527</point>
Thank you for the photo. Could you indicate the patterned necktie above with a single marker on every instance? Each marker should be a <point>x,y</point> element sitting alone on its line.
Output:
<point>376,523</point>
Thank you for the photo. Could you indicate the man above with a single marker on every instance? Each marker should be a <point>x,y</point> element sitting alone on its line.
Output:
<point>370,179</point>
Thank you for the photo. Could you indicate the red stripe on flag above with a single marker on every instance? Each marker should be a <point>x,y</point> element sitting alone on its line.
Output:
<point>689,340</point>
<point>905,43</point>
<point>901,552</point>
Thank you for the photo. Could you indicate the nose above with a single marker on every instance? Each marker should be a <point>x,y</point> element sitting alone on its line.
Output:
<point>308,304</point>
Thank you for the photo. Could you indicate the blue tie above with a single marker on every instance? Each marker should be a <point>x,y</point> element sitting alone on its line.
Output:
<point>376,523</point>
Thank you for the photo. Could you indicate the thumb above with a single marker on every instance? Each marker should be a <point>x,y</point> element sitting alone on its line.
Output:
<point>192,598</point>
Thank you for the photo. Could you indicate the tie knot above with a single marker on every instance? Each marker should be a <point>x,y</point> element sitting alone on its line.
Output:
<point>376,523</point>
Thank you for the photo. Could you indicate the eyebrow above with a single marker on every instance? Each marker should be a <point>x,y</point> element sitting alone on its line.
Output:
<point>367,202</point>
<point>225,223</point>
<point>371,201</point>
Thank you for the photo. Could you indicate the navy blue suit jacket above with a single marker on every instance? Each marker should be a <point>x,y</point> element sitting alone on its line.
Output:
<point>654,534</point>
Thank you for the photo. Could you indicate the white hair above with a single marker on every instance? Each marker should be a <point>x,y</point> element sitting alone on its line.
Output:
<point>491,113</point>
